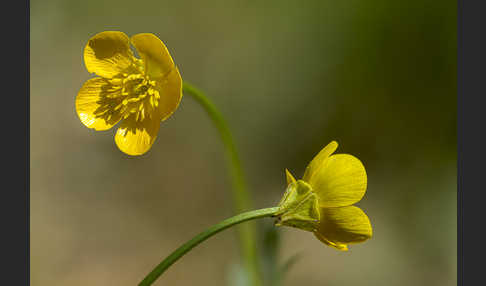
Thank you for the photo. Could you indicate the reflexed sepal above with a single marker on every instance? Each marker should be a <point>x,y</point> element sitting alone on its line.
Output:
<point>299,207</point>
<point>294,193</point>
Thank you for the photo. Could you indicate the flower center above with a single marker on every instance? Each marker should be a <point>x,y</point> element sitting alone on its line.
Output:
<point>138,95</point>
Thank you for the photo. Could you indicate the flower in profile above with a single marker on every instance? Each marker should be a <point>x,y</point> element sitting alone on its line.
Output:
<point>138,92</point>
<point>322,201</point>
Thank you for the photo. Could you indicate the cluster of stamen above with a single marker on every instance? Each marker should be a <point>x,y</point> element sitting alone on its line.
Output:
<point>136,95</point>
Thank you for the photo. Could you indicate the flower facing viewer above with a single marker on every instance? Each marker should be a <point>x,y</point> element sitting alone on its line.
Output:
<point>138,92</point>
<point>322,201</point>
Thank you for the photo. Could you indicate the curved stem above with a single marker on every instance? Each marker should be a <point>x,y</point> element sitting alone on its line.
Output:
<point>240,194</point>
<point>241,197</point>
<point>179,252</point>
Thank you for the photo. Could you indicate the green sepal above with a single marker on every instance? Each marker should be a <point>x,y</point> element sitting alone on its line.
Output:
<point>294,194</point>
<point>299,207</point>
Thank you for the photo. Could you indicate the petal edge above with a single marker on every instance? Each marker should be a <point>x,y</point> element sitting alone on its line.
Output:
<point>340,181</point>
<point>154,53</point>
<point>94,107</point>
<point>343,225</point>
<point>170,90</point>
<point>137,137</point>
<point>108,54</point>
<point>317,161</point>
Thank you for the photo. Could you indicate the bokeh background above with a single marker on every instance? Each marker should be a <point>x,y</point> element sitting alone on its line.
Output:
<point>289,76</point>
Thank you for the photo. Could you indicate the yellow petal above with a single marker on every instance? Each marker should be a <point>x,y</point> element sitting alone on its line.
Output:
<point>108,54</point>
<point>339,181</point>
<point>95,104</point>
<point>314,165</point>
<point>290,178</point>
<point>338,246</point>
<point>343,225</point>
<point>136,137</point>
<point>170,90</point>
<point>154,53</point>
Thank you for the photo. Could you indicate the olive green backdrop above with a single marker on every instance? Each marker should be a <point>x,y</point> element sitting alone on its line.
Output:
<point>289,76</point>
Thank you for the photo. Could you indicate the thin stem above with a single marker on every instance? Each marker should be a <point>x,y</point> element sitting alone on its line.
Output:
<point>241,197</point>
<point>179,252</point>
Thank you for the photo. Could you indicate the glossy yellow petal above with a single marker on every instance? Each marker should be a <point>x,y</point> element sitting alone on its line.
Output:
<point>154,53</point>
<point>290,178</point>
<point>135,137</point>
<point>108,54</point>
<point>170,90</point>
<point>316,163</point>
<point>338,246</point>
<point>343,225</point>
<point>95,104</point>
<point>339,181</point>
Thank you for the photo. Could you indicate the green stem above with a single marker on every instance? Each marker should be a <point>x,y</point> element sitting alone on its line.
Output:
<point>179,252</point>
<point>241,197</point>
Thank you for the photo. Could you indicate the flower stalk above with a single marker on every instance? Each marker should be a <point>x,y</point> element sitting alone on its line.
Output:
<point>241,196</point>
<point>186,247</point>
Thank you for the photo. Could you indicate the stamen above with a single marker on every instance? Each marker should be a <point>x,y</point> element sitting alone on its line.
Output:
<point>140,97</point>
<point>113,93</point>
<point>124,109</point>
<point>133,110</point>
<point>116,81</point>
<point>157,94</point>
<point>118,107</point>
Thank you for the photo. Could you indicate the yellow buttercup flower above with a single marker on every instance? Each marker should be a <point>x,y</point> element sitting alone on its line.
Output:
<point>322,201</point>
<point>138,92</point>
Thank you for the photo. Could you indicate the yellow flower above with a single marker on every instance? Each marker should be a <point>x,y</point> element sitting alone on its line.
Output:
<point>322,201</point>
<point>139,92</point>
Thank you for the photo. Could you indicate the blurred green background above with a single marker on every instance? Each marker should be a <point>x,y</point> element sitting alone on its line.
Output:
<point>289,76</point>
